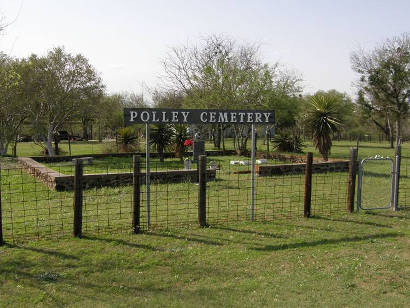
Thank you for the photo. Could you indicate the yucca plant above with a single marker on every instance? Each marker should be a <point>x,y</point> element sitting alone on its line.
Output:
<point>161,137</point>
<point>288,143</point>
<point>127,139</point>
<point>323,119</point>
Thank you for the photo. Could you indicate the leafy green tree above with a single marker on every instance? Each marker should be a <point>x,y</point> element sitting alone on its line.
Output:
<point>110,115</point>
<point>167,99</point>
<point>384,83</point>
<point>222,74</point>
<point>323,119</point>
<point>61,84</point>
<point>13,109</point>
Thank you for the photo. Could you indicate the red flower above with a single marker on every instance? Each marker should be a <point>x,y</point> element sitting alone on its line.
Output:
<point>188,143</point>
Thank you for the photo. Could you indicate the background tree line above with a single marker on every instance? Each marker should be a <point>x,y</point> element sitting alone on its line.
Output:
<point>41,96</point>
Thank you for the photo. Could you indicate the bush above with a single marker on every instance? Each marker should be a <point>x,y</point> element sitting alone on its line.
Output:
<point>288,143</point>
<point>127,139</point>
<point>161,137</point>
<point>180,136</point>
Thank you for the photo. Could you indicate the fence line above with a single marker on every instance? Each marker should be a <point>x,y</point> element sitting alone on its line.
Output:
<point>29,209</point>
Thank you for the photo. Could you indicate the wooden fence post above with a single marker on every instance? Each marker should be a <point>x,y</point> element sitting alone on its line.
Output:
<point>202,191</point>
<point>308,184</point>
<point>351,183</point>
<point>136,197</point>
<point>1,220</point>
<point>78,198</point>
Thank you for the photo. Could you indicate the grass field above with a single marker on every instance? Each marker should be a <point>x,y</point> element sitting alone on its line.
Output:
<point>333,259</point>
<point>340,149</point>
<point>30,209</point>
<point>360,260</point>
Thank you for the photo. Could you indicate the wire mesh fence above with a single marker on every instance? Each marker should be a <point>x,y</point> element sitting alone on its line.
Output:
<point>31,208</point>
<point>38,202</point>
<point>376,183</point>
<point>404,184</point>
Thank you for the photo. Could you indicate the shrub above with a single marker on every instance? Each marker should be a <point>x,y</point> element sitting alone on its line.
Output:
<point>127,139</point>
<point>288,143</point>
<point>161,137</point>
<point>180,136</point>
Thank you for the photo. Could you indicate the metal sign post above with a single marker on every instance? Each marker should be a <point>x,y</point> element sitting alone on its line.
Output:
<point>253,173</point>
<point>198,116</point>
<point>147,174</point>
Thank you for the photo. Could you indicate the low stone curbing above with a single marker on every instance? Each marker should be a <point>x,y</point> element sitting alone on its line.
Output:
<point>40,172</point>
<point>284,169</point>
<point>61,182</point>
<point>55,159</point>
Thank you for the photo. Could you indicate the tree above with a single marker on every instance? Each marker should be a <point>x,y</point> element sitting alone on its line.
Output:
<point>221,74</point>
<point>384,83</point>
<point>13,109</point>
<point>167,99</point>
<point>110,115</point>
<point>62,83</point>
<point>343,107</point>
<point>323,118</point>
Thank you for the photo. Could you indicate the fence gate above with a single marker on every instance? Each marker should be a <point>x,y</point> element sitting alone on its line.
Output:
<point>375,187</point>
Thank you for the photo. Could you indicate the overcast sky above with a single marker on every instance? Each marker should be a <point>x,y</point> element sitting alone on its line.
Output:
<point>125,40</point>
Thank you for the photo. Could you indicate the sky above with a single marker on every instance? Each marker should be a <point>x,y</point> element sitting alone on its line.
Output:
<point>125,40</point>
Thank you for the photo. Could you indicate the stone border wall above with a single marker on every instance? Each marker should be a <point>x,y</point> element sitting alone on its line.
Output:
<point>54,159</point>
<point>61,182</point>
<point>335,166</point>
<point>40,172</point>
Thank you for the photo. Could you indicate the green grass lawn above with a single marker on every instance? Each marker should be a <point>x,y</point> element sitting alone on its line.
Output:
<point>30,209</point>
<point>358,260</point>
<point>124,164</point>
<point>340,149</point>
<point>281,259</point>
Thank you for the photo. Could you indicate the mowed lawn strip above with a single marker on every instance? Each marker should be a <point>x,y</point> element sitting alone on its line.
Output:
<point>354,260</point>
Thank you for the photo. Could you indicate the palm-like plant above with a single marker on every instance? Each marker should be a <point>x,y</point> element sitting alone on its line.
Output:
<point>323,118</point>
<point>127,138</point>
<point>288,143</point>
<point>161,137</point>
<point>180,136</point>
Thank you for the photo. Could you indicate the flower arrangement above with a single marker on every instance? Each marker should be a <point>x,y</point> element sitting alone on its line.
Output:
<point>188,143</point>
<point>187,160</point>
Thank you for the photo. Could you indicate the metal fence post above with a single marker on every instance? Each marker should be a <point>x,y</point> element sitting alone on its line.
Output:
<point>147,174</point>
<point>78,198</point>
<point>308,184</point>
<point>1,221</point>
<point>253,153</point>
<point>397,177</point>
<point>202,191</point>
<point>351,183</point>
<point>136,200</point>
